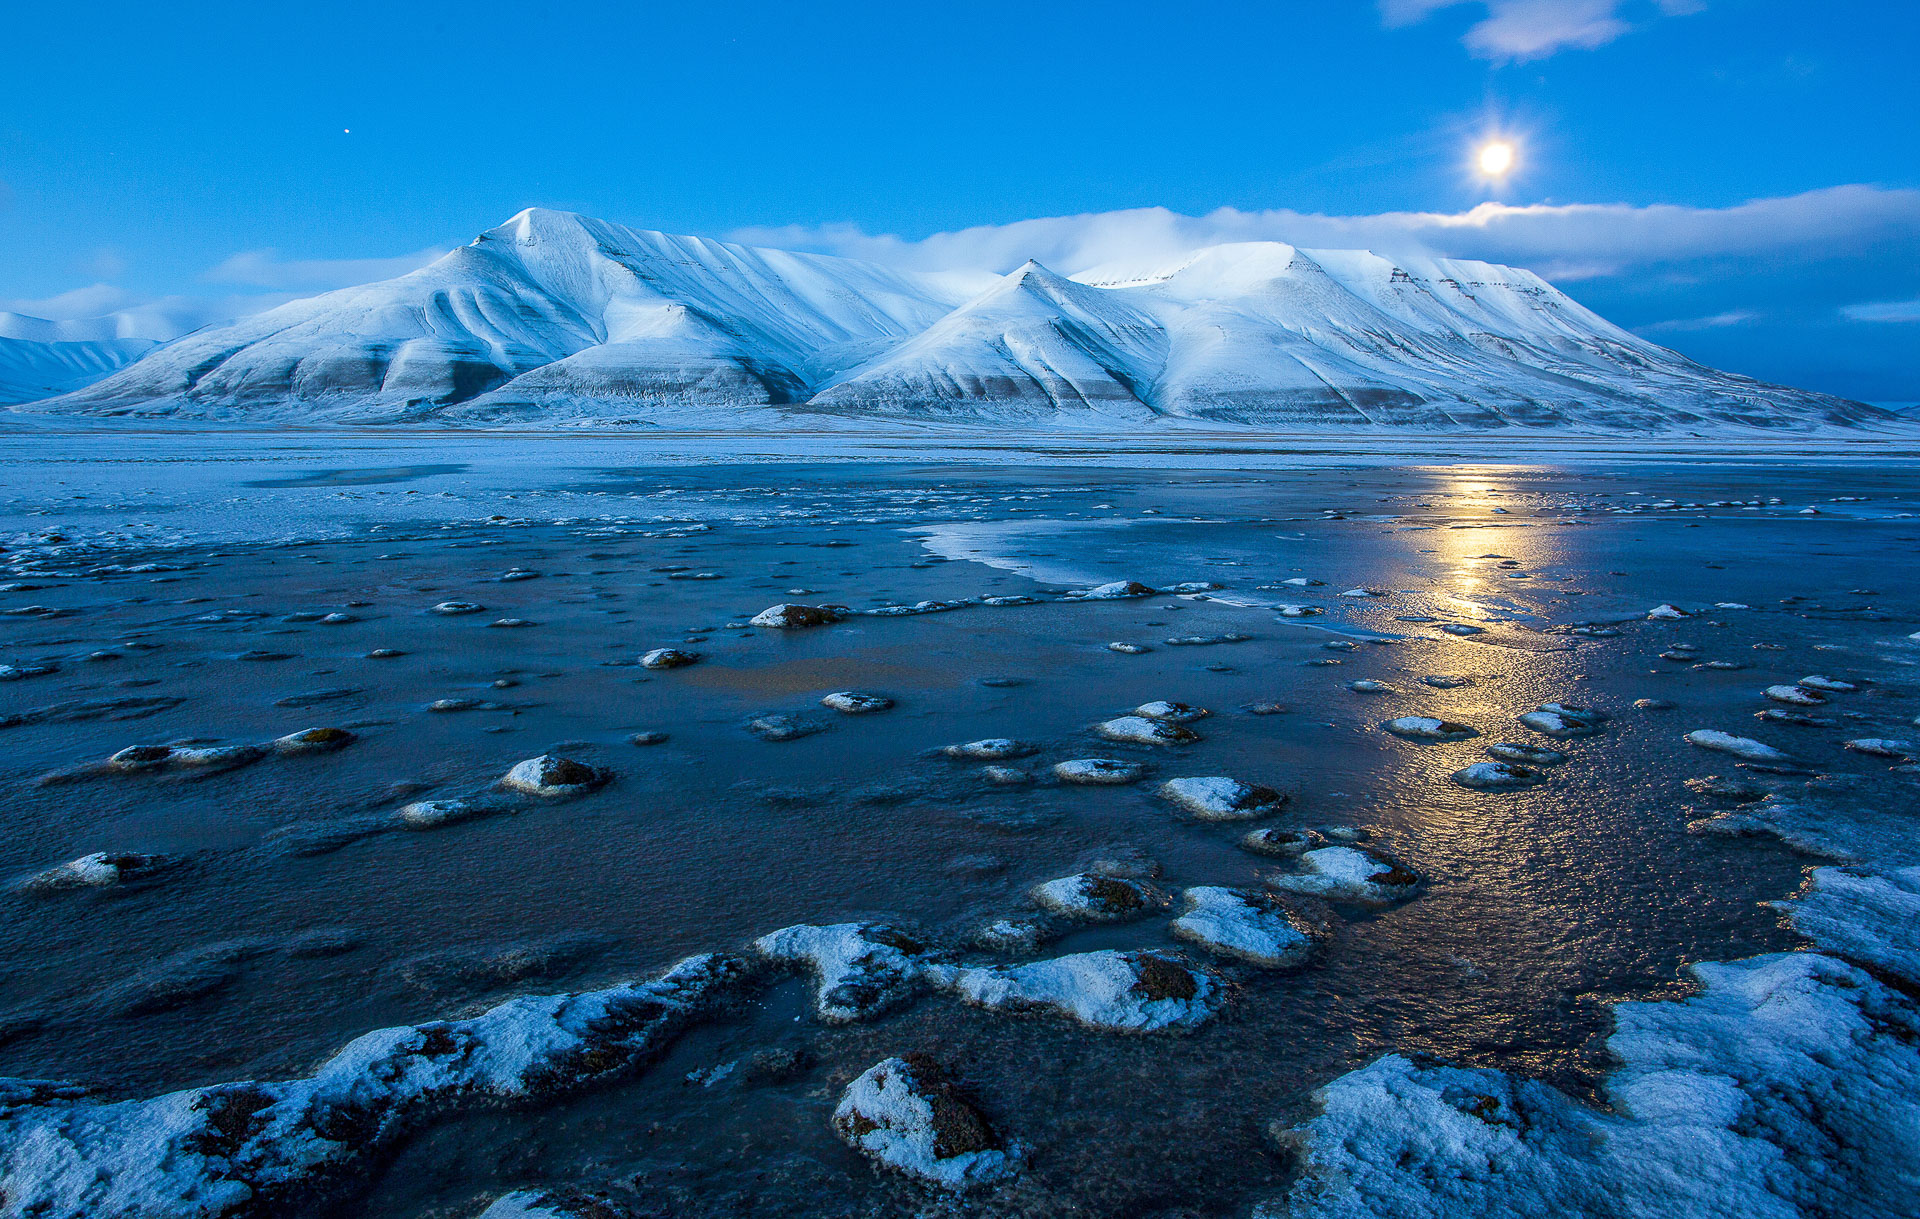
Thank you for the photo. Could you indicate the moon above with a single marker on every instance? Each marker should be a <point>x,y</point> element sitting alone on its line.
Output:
<point>1496,159</point>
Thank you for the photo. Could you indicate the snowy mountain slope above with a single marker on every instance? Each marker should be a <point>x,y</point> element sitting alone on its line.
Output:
<point>562,318</point>
<point>1032,346</point>
<point>30,370</point>
<point>40,357</point>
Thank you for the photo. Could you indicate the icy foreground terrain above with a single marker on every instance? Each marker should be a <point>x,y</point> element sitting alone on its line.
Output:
<point>558,318</point>
<point>416,826</point>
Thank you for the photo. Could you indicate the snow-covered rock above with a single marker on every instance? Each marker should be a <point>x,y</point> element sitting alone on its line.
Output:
<point>1139,730</point>
<point>1869,915</point>
<point>910,1115</point>
<point>782,727</point>
<point>1564,721</point>
<point>1218,798</point>
<point>668,658</point>
<point>860,969</point>
<point>1526,755</point>
<point>1283,843</point>
<point>1786,1088</point>
<point>914,610</point>
<point>1814,827</point>
<point>1016,936</point>
<point>1882,747</point>
<point>1130,992</point>
<point>1246,925</point>
<point>313,740</point>
<point>1773,715</point>
<point>852,702</point>
<point>1095,898</point>
<point>1742,747</point>
<point>136,758</point>
<point>1098,772</point>
<point>1497,776</point>
<point>791,617</point>
<point>1176,713</point>
<point>551,776</point>
<point>1429,728</point>
<point>1118,590</point>
<point>1829,685</point>
<point>1793,695</point>
<point>991,749</point>
<point>267,1148</point>
<point>451,810</point>
<point>562,1203</point>
<point>1347,874</point>
<point>96,871</point>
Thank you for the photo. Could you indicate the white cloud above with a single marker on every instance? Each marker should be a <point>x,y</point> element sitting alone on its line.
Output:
<point>267,269</point>
<point>1521,30</point>
<point>138,316</point>
<point>1565,242</point>
<point>94,300</point>
<point>1884,311</point>
<point>1535,29</point>
<point>1717,321</point>
<point>262,278</point>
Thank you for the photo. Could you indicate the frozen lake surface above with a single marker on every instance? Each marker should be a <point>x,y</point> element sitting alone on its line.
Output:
<point>260,909</point>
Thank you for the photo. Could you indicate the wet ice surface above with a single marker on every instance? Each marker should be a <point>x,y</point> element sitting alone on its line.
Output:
<point>281,907</point>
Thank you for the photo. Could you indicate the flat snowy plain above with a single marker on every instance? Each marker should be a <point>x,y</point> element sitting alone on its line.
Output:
<point>1664,979</point>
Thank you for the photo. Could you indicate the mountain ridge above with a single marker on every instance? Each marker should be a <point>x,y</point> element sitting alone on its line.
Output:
<point>45,356</point>
<point>558,316</point>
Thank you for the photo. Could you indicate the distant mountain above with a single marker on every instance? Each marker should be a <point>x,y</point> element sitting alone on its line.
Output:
<point>554,317</point>
<point>1032,346</point>
<point>39,358</point>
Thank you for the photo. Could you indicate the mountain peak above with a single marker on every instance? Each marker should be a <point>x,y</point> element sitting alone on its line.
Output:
<point>1032,271</point>
<point>1034,279</point>
<point>534,223</point>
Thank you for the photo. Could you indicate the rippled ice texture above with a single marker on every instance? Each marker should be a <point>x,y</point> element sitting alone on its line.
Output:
<point>176,588</point>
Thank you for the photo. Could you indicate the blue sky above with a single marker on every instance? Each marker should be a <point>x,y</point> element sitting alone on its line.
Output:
<point>1739,179</point>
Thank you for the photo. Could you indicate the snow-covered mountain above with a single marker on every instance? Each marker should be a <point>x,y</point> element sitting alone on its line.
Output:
<point>1031,346</point>
<point>39,357</point>
<point>559,317</point>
